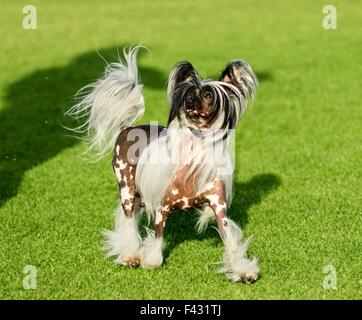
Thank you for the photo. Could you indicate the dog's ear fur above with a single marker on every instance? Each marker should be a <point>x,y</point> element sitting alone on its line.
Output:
<point>240,74</point>
<point>181,72</point>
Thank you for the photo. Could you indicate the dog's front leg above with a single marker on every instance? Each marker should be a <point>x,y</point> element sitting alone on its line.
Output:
<point>236,264</point>
<point>151,250</point>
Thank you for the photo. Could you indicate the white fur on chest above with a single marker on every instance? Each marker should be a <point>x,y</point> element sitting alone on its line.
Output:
<point>178,147</point>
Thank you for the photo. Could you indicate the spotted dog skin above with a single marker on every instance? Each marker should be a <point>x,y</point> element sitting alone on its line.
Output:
<point>179,195</point>
<point>125,169</point>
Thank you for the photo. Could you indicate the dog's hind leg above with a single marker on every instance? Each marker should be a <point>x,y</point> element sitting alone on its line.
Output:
<point>237,266</point>
<point>125,241</point>
<point>151,250</point>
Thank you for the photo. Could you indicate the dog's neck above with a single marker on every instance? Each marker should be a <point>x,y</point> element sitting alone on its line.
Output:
<point>202,154</point>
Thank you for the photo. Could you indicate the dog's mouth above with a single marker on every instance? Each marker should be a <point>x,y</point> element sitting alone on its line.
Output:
<point>197,116</point>
<point>196,113</point>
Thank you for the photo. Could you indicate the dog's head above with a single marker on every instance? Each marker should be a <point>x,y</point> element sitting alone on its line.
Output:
<point>207,104</point>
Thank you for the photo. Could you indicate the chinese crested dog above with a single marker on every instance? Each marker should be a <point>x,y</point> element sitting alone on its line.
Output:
<point>159,169</point>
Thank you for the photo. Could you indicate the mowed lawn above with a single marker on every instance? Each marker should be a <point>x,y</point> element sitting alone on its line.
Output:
<point>298,148</point>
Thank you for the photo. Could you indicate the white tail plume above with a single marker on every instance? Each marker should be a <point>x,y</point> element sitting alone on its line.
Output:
<point>110,104</point>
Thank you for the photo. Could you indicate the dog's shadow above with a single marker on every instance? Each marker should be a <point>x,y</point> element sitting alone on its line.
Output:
<point>181,225</point>
<point>32,120</point>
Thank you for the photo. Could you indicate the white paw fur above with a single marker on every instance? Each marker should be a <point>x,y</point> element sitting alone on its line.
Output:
<point>151,251</point>
<point>236,264</point>
<point>125,241</point>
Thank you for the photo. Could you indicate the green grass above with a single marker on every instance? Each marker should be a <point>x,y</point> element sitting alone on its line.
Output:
<point>298,149</point>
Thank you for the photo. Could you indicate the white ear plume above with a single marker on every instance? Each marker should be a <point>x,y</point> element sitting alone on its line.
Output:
<point>181,72</point>
<point>240,74</point>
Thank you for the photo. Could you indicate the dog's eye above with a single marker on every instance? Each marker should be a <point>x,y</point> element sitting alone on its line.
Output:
<point>207,95</point>
<point>190,99</point>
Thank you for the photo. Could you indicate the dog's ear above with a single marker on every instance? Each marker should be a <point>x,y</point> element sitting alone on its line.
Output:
<point>181,72</point>
<point>240,74</point>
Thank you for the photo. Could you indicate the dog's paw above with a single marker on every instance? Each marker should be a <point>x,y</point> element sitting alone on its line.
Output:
<point>151,251</point>
<point>151,259</point>
<point>133,262</point>
<point>249,277</point>
<point>150,266</point>
<point>240,269</point>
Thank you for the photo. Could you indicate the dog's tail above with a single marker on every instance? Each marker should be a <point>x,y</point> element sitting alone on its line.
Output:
<point>110,104</point>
